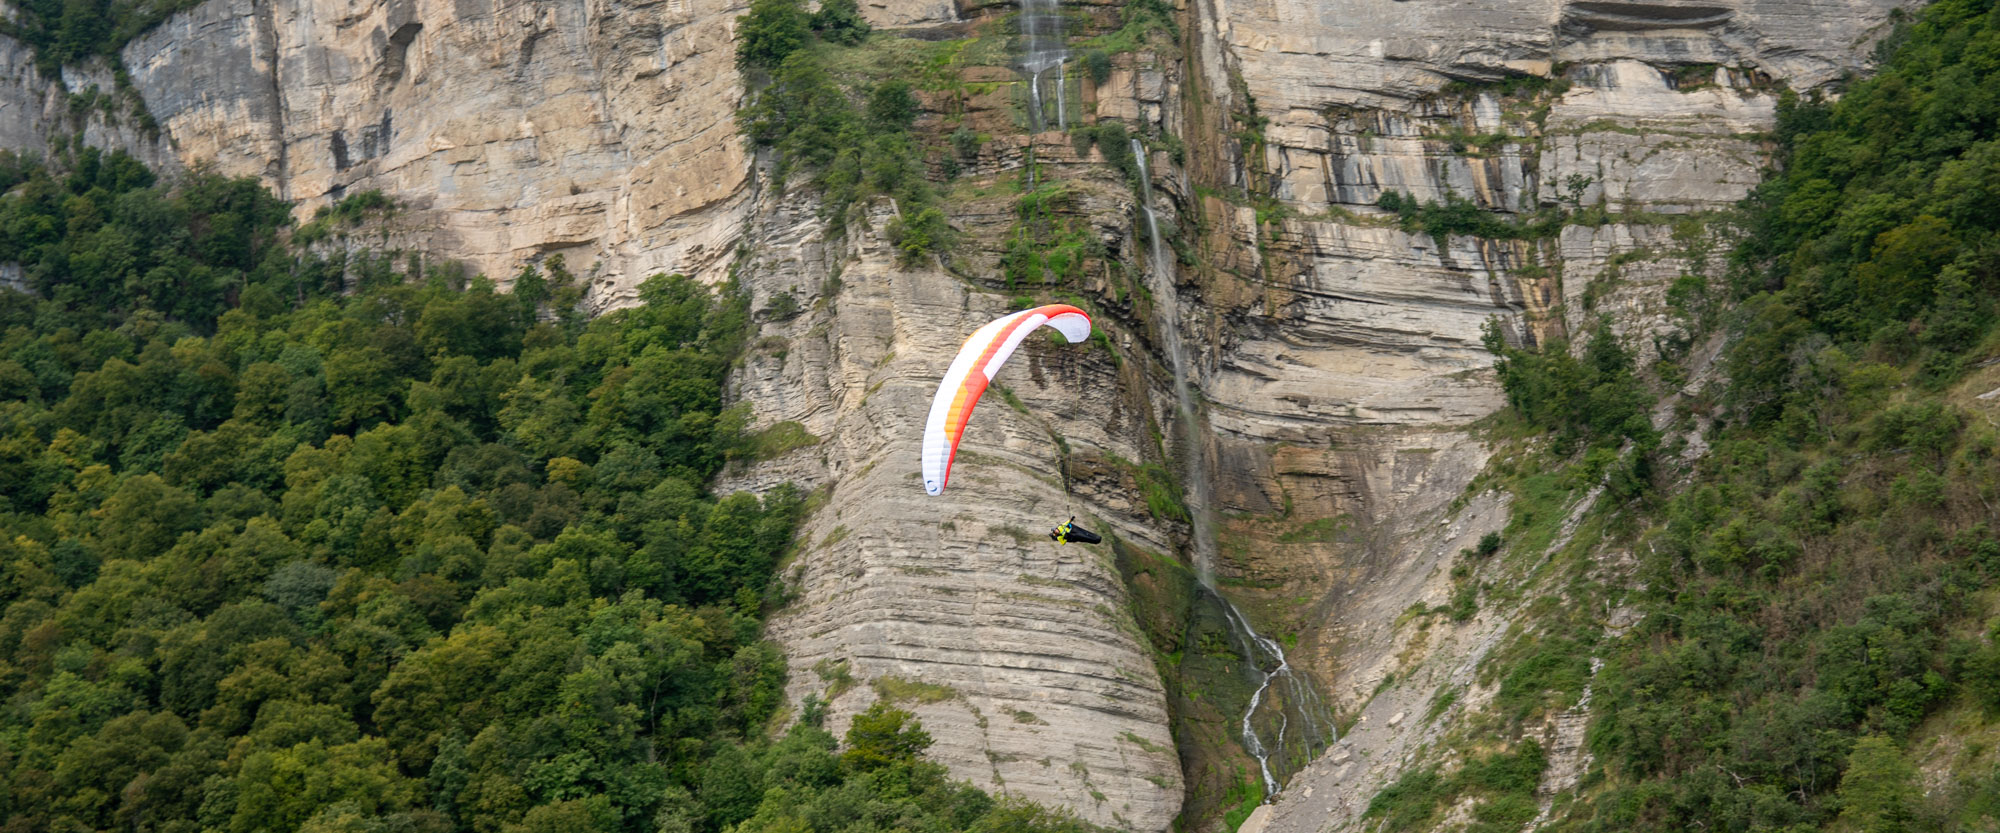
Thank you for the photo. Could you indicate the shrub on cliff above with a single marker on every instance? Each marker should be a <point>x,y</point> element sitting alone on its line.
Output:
<point>1594,399</point>
<point>770,32</point>
<point>840,22</point>
<point>813,125</point>
<point>919,234</point>
<point>1814,597</point>
<point>891,106</point>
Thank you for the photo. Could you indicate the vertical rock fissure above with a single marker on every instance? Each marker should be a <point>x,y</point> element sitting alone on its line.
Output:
<point>1041,51</point>
<point>1300,696</point>
<point>279,169</point>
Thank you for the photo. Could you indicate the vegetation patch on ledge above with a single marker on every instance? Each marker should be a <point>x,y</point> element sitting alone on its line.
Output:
<point>1805,612</point>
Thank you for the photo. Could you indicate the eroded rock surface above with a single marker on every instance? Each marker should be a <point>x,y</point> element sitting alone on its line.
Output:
<point>1019,655</point>
<point>1360,334</point>
<point>514,129</point>
<point>1336,347</point>
<point>81,101</point>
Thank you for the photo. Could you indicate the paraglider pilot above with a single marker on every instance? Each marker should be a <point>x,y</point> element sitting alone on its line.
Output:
<point>1068,531</point>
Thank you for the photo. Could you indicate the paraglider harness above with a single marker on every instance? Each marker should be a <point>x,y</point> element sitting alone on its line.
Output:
<point>1068,531</point>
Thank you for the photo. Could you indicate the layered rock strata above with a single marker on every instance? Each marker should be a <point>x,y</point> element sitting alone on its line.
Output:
<point>1337,346</point>
<point>1019,656</point>
<point>1654,120</point>
<point>515,130</point>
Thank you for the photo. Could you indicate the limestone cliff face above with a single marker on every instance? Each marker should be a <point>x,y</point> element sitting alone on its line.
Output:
<point>1656,120</point>
<point>1337,355</point>
<point>607,134</point>
<point>83,101</point>
<point>603,131</point>
<point>1019,656</point>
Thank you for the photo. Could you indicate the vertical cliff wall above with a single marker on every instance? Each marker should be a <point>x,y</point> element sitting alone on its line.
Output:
<point>82,102</point>
<point>1338,353</point>
<point>1639,123</point>
<point>1021,657</point>
<point>604,132</point>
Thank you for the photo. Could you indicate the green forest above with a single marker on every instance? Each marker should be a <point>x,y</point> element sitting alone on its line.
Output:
<point>1817,591</point>
<point>298,540</point>
<point>289,542</point>
<point>71,31</point>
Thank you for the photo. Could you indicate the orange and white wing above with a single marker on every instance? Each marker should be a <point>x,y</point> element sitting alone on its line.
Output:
<point>977,363</point>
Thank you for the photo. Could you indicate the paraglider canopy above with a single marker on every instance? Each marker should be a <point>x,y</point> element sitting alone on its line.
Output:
<point>976,365</point>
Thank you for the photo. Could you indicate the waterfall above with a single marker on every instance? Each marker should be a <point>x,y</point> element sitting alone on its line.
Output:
<point>1062,111</point>
<point>1041,50</point>
<point>1035,102</point>
<point>1301,698</point>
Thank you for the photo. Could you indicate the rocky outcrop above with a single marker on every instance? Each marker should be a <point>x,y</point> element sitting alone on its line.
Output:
<point>1337,346</point>
<point>1636,138</point>
<point>1401,668</point>
<point>1665,103</point>
<point>1376,327</point>
<point>1297,57</point>
<point>84,101</point>
<point>1636,122</point>
<point>513,130</point>
<point>1019,656</point>
<point>22,88</point>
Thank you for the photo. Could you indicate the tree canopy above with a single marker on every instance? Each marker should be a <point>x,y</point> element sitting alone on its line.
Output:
<point>1817,585</point>
<point>296,545</point>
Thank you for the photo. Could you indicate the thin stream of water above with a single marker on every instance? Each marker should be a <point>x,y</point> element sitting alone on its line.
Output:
<point>1041,50</point>
<point>1062,110</point>
<point>1035,102</point>
<point>1298,691</point>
